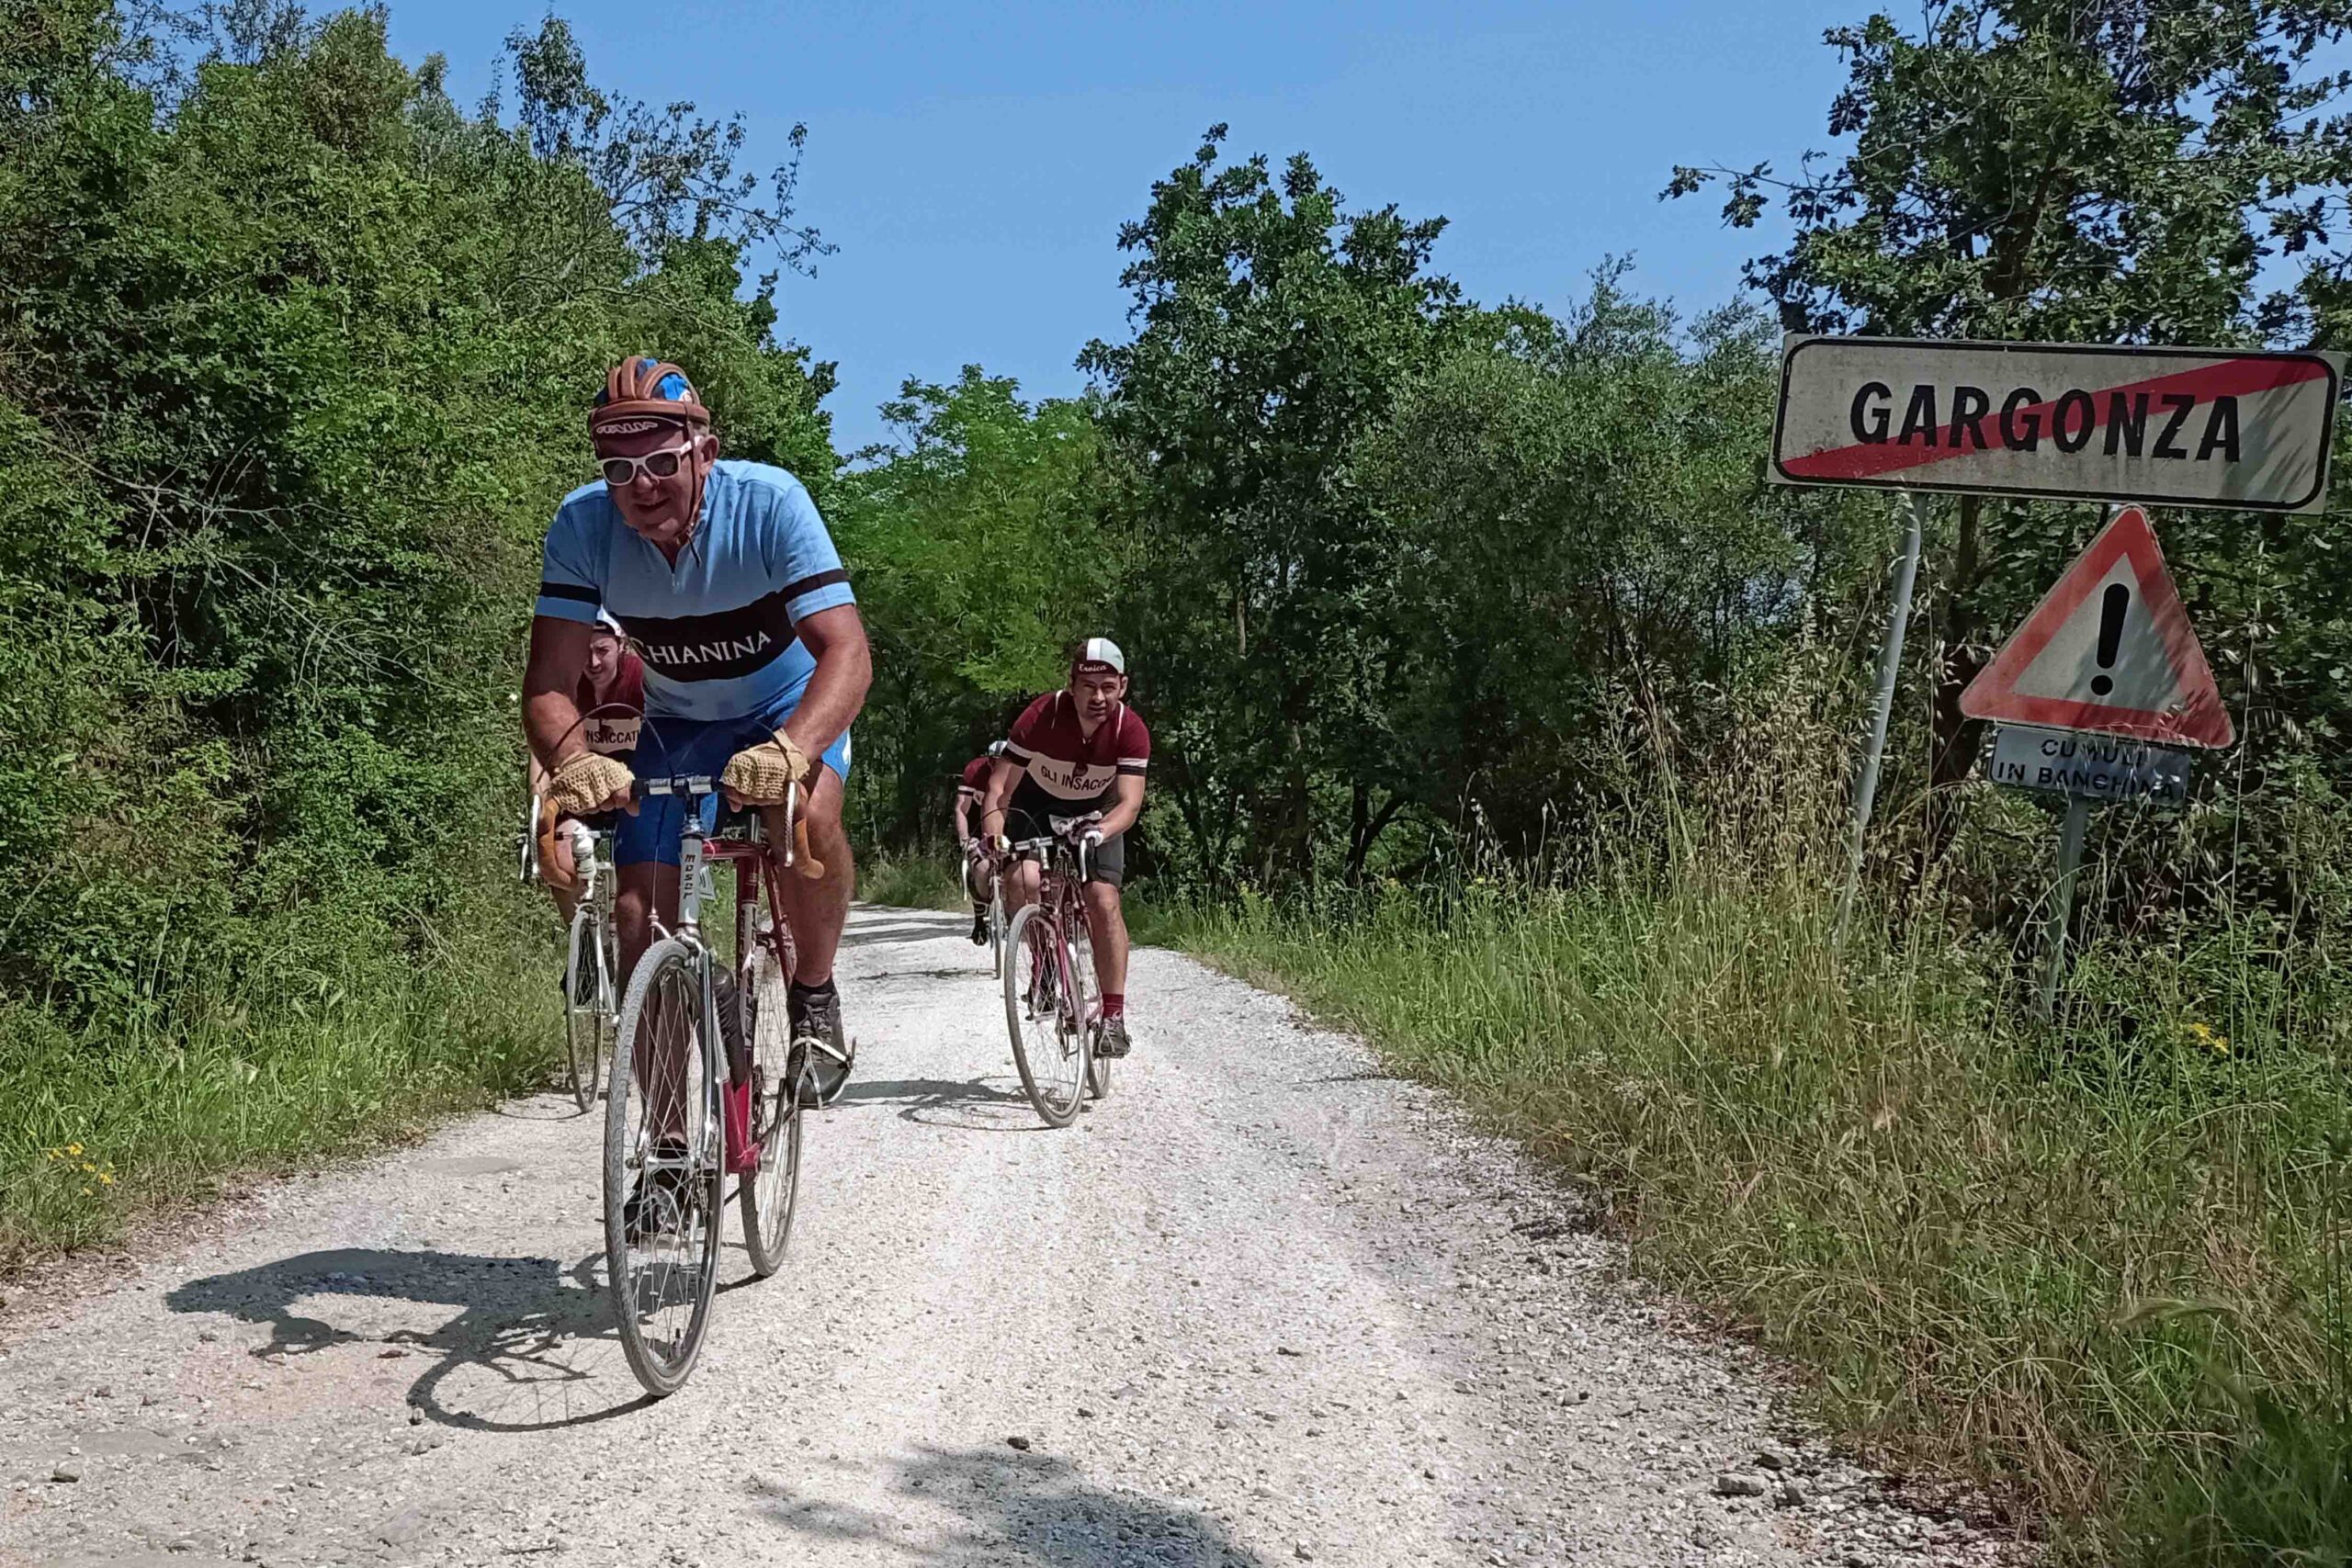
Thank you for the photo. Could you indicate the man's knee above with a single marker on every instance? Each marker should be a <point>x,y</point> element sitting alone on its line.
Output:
<point>1103,897</point>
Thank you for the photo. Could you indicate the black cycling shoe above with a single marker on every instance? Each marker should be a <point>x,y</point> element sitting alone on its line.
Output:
<point>1111,1040</point>
<point>817,1019</point>
<point>656,1204</point>
<point>979,928</point>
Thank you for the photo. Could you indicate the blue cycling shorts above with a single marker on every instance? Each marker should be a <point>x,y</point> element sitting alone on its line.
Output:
<point>668,747</point>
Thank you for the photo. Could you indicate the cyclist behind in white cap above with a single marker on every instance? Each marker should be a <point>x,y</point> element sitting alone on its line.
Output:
<point>1072,752</point>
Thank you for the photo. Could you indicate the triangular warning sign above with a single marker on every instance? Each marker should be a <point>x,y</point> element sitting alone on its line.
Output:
<point>2108,649</point>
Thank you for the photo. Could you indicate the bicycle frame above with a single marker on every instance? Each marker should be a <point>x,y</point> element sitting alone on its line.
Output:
<point>697,852</point>
<point>1060,892</point>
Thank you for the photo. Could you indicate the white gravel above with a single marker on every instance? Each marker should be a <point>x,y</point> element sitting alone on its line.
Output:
<point>1264,1306</point>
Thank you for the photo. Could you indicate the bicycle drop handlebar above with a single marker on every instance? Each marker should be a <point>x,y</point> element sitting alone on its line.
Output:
<point>1083,841</point>
<point>796,855</point>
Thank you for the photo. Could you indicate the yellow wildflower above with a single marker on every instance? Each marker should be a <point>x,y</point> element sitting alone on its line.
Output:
<point>2212,1039</point>
<point>105,1179</point>
<point>74,1149</point>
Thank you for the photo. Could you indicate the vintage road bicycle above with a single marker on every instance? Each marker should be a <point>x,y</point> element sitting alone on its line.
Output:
<point>705,1086</point>
<point>591,961</point>
<point>1052,1005</point>
<point>592,976</point>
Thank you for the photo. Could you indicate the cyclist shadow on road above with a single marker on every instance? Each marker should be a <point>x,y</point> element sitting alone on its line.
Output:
<point>530,1348</point>
<point>979,1105</point>
<point>982,1502</point>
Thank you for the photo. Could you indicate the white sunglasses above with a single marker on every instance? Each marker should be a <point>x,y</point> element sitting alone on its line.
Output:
<point>661,465</point>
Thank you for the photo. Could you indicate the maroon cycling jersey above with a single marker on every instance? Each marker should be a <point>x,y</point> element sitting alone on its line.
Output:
<point>1046,744</point>
<point>610,723</point>
<point>975,776</point>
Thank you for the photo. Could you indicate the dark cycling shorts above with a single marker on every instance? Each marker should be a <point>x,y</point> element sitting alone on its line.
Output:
<point>1028,816</point>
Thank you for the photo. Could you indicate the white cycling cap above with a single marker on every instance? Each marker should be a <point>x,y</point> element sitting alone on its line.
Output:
<point>607,621</point>
<point>1101,650</point>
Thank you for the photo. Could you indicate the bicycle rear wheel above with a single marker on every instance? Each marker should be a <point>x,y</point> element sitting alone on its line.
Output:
<point>662,1134</point>
<point>769,1195</point>
<point>1049,1043</point>
<point>588,985</point>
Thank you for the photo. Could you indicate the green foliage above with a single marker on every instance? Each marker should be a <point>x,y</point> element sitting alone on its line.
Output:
<point>2044,171</point>
<point>979,561</point>
<point>293,355</point>
<point>1274,329</point>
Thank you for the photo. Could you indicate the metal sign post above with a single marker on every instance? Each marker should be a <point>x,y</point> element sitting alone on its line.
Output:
<point>2061,903</point>
<point>1890,666</point>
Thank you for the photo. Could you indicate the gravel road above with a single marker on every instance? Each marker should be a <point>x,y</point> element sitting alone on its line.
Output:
<point>1263,1305</point>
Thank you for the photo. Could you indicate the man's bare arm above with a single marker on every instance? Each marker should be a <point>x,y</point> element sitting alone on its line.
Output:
<point>1002,775</point>
<point>1127,809</point>
<point>550,719</point>
<point>836,638</point>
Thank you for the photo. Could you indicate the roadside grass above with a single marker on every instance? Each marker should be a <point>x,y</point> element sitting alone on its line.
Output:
<point>2102,1270</point>
<point>909,879</point>
<point>341,1045</point>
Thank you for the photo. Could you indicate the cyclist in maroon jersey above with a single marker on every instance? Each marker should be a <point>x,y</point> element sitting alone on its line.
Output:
<point>611,700</point>
<point>978,871</point>
<point>1072,752</point>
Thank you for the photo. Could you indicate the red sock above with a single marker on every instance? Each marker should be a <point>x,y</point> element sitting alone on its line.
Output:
<point>1115,1004</point>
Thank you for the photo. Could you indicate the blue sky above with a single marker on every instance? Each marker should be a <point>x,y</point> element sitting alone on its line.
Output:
<point>973,162</point>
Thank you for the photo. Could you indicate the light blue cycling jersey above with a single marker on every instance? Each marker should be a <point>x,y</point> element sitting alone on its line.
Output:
<point>717,629</point>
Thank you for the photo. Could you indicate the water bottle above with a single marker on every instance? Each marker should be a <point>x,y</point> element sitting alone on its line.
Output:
<point>583,847</point>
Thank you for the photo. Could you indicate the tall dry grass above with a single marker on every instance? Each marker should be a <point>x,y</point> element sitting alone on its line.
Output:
<point>2100,1266</point>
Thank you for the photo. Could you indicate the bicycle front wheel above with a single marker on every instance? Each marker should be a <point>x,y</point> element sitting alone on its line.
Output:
<point>663,1167</point>
<point>1049,1043</point>
<point>997,928</point>
<point>588,985</point>
<point>770,1191</point>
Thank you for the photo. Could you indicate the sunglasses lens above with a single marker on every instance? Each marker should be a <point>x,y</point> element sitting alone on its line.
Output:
<point>661,465</point>
<point>617,470</point>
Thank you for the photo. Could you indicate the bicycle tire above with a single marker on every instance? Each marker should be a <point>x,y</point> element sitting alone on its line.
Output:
<point>668,982</point>
<point>769,1196</point>
<point>997,927</point>
<point>1042,1062</point>
<point>588,1027</point>
<point>1098,1066</point>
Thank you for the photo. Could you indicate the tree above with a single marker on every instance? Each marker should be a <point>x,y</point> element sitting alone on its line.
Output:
<point>979,560</point>
<point>1579,505</point>
<point>1273,328</point>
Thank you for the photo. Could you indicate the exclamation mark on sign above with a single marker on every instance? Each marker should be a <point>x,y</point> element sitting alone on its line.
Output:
<point>2110,635</point>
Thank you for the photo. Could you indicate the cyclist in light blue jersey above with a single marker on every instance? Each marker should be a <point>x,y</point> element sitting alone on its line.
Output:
<point>756,661</point>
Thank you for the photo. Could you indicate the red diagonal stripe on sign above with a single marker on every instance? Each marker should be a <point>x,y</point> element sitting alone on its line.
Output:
<point>2229,377</point>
